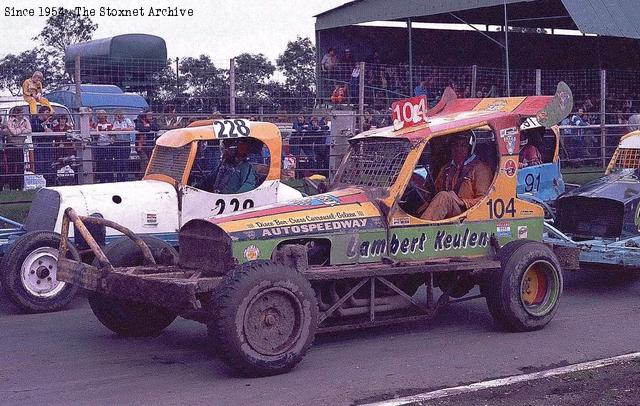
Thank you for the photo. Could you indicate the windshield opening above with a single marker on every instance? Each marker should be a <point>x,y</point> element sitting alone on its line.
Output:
<point>372,162</point>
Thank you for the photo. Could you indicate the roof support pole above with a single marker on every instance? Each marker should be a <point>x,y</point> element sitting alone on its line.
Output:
<point>603,116</point>
<point>409,29</point>
<point>232,87</point>
<point>506,48</point>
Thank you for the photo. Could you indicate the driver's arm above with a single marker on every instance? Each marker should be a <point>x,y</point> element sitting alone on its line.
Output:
<point>481,178</point>
<point>249,178</point>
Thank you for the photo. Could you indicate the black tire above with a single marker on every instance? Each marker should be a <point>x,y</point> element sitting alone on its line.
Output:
<point>254,304</point>
<point>515,301</point>
<point>129,318</point>
<point>28,273</point>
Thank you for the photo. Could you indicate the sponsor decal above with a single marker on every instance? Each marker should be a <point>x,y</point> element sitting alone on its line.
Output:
<point>400,221</point>
<point>251,253</point>
<point>509,136</point>
<point>523,232</point>
<point>150,218</point>
<point>319,200</point>
<point>503,229</point>
<point>496,105</point>
<point>510,168</point>
<point>342,225</point>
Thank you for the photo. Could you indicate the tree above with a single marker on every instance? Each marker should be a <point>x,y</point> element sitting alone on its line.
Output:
<point>14,69</point>
<point>64,29</point>
<point>253,77</point>
<point>204,84</point>
<point>298,64</point>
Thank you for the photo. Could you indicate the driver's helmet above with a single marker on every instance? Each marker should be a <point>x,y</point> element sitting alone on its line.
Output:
<point>237,148</point>
<point>530,128</point>
<point>468,136</point>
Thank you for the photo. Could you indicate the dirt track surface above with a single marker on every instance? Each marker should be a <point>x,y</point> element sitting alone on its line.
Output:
<point>611,385</point>
<point>70,358</point>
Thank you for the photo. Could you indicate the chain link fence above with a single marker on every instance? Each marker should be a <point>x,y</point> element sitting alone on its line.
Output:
<point>182,91</point>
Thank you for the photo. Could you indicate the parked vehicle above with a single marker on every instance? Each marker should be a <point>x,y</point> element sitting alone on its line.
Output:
<point>156,206</point>
<point>267,280</point>
<point>602,217</point>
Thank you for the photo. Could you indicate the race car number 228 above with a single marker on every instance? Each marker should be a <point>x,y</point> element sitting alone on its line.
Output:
<point>232,128</point>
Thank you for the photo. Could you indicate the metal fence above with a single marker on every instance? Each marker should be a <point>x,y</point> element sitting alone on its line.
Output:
<point>181,91</point>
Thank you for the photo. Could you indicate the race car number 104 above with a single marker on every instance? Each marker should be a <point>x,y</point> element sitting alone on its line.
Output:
<point>409,112</point>
<point>232,128</point>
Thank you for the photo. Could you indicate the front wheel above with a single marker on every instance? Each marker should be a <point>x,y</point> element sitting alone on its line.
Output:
<point>29,273</point>
<point>523,295</point>
<point>264,318</point>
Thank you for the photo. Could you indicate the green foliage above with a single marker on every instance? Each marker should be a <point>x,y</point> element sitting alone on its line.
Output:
<point>14,69</point>
<point>298,64</point>
<point>202,84</point>
<point>65,29</point>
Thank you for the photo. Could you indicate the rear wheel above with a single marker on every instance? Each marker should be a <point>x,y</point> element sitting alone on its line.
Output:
<point>523,295</point>
<point>29,273</point>
<point>264,318</point>
<point>131,318</point>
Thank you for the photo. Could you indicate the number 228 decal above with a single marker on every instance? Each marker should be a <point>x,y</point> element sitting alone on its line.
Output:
<point>232,128</point>
<point>234,205</point>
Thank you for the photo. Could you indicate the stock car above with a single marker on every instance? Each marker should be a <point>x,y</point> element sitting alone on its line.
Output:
<point>156,206</point>
<point>266,280</point>
<point>602,218</point>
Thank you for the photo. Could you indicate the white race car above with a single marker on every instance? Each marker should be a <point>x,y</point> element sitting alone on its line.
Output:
<point>156,206</point>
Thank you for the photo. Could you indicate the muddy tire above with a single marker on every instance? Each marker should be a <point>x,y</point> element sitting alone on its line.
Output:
<point>264,318</point>
<point>28,273</point>
<point>129,318</point>
<point>523,295</point>
<point>125,252</point>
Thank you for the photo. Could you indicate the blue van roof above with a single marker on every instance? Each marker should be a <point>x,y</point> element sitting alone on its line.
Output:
<point>98,96</point>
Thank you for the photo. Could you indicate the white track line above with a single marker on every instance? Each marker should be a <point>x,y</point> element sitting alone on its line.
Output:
<point>506,381</point>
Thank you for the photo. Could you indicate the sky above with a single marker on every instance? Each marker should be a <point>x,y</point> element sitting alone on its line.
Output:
<point>220,29</point>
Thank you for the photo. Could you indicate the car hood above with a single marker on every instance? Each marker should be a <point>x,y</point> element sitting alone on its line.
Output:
<point>342,211</point>
<point>622,186</point>
<point>121,202</point>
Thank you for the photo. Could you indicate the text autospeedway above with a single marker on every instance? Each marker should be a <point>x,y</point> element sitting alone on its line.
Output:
<point>442,241</point>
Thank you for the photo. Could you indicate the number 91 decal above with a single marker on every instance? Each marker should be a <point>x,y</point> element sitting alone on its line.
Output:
<point>232,128</point>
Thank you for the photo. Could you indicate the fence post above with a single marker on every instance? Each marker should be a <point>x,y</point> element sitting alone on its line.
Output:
<point>603,116</point>
<point>361,97</point>
<point>474,80</point>
<point>86,176</point>
<point>232,86</point>
<point>538,82</point>
<point>76,79</point>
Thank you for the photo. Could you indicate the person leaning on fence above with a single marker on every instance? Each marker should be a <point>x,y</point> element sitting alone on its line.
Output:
<point>15,134</point>
<point>104,152</point>
<point>32,92</point>
<point>65,149</point>
<point>147,127</point>
<point>43,143</point>
<point>122,144</point>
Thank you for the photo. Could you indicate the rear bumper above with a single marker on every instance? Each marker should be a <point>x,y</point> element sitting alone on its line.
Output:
<point>169,287</point>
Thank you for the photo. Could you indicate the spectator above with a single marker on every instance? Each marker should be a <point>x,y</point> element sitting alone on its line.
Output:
<point>104,152</point>
<point>354,84</point>
<point>16,131</point>
<point>170,119</point>
<point>581,143</point>
<point>146,126</point>
<point>300,124</point>
<point>122,143</point>
<point>64,147</point>
<point>32,92</point>
<point>421,89</point>
<point>375,57</point>
<point>348,57</point>
<point>329,62</point>
<point>43,145</point>
<point>339,95</point>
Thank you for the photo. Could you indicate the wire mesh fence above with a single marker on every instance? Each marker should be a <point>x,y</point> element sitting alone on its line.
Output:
<point>178,92</point>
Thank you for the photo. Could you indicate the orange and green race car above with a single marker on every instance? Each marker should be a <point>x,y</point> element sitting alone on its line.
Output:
<point>417,216</point>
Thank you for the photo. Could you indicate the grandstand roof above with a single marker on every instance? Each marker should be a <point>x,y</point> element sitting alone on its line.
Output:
<point>615,18</point>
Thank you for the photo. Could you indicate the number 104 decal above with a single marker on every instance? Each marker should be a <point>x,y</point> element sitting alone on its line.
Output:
<point>232,128</point>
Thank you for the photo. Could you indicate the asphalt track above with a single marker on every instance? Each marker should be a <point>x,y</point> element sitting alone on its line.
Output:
<point>70,358</point>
